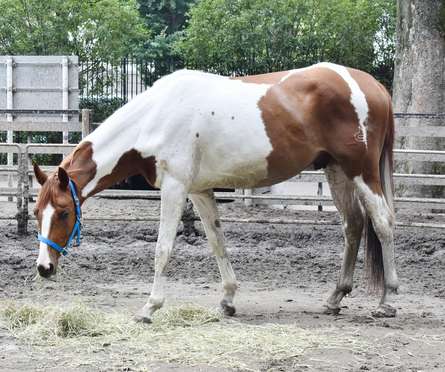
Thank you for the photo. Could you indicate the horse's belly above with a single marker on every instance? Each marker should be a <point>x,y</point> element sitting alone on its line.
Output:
<point>238,175</point>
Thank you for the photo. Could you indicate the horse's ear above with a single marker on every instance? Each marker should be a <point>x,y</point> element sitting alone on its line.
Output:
<point>63,178</point>
<point>40,175</point>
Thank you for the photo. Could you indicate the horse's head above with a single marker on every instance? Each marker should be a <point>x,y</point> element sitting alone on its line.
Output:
<point>56,217</point>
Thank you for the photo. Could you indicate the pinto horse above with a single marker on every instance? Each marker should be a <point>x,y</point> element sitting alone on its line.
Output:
<point>194,131</point>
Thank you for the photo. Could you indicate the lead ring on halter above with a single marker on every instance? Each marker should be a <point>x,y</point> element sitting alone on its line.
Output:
<point>76,229</point>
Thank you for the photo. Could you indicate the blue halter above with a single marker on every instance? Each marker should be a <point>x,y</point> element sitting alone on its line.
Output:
<point>76,228</point>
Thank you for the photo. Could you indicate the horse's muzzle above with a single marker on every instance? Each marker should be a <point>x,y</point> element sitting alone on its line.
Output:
<point>46,272</point>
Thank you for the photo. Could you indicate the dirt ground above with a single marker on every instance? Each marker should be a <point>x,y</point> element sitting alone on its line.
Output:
<point>285,272</point>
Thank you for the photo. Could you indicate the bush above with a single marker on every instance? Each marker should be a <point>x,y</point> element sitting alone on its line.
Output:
<point>101,108</point>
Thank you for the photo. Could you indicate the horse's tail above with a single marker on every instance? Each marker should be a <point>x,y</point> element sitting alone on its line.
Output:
<point>374,258</point>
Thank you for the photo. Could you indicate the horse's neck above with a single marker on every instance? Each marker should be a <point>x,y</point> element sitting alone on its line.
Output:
<point>104,157</point>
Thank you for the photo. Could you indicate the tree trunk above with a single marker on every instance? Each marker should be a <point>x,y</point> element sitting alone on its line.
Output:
<point>419,79</point>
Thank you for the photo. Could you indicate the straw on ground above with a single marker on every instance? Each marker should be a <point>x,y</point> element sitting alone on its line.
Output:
<point>186,334</point>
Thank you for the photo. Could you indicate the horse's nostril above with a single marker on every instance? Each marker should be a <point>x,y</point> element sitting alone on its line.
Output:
<point>45,272</point>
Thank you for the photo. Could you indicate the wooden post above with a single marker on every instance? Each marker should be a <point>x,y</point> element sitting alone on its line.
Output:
<point>86,127</point>
<point>25,193</point>
<point>248,202</point>
<point>320,193</point>
<point>22,196</point>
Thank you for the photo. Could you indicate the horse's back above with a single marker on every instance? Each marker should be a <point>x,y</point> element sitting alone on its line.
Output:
<point>263,129</point>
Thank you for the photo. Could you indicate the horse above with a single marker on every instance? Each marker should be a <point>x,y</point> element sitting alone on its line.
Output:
<point>194,131</point>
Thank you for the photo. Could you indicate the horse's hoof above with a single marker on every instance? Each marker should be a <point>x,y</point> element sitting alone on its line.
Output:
<point>229,310</point>
<point>331,310</point>
<point>384,311</point>
<point>142,319</point>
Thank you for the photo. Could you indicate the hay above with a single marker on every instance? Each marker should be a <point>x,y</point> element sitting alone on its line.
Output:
<point>21,317</point>
<point>187,335</point>
<point>186,315</point>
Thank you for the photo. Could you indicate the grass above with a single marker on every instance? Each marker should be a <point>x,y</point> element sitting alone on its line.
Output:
<point>186,335</point>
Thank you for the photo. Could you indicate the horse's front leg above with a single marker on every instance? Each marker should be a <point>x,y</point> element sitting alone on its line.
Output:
<point>206,205</point>
<point>173,196</point>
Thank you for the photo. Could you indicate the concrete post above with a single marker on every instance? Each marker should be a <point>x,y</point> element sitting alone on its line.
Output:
<point>65,95</point>
<point>9,106</point>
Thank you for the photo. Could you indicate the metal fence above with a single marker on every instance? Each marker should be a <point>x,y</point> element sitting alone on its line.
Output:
<point>105,80</point>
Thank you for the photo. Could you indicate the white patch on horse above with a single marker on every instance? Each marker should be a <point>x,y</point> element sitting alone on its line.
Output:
<point>383,221</point>
<point>377,203</point>
<point>47,215</point>
<point>295,71</point>
<point>232,144</point>
<point>358,99</point>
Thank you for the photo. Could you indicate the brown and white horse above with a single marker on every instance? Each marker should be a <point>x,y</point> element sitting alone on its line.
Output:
<point>194,131</point>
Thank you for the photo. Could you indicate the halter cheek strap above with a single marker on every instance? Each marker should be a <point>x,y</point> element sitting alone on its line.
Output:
<point>76,229</point>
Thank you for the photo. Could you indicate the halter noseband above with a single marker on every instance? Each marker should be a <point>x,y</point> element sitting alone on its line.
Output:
<point>76,228</point>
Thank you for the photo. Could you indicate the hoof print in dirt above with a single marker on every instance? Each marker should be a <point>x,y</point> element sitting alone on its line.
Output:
<point>142,319</point>
<point>229,310</point>
<point>384,311</point>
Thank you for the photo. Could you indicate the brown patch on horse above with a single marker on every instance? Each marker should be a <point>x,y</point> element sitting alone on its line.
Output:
<point>82,168</point>
<point>310,113</point>
<point>129,164</point>
<point>270,78</point>
<point>309,118</point>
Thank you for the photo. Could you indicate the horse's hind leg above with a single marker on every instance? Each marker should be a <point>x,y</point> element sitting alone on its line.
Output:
<point>173,196</point>
<point>206,205</point>
<point>351,211</point>
<point>380,251</point>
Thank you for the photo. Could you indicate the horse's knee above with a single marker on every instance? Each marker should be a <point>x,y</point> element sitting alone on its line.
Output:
<point>344,288</point>
<point>230,288</point>
<point>155,302</point>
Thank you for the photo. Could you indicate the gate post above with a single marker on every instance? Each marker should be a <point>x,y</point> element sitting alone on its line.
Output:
<point>320,193</point>
<point>21,221</point>
<point>86,125</point>
<point>249,202</point>
<point>25,192</point>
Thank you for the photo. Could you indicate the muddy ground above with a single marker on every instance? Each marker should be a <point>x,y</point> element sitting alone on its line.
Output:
<point>285,272</point>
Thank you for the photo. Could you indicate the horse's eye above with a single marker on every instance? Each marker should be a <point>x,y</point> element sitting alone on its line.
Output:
<point>63,215</point>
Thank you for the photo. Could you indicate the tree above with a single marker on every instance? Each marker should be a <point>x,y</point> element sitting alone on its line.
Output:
<point>254,36</point>
<point>419,79</point>
<point>91,29</point>
<point>166,19</point>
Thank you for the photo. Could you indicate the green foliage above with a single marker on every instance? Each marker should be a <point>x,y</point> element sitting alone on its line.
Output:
<point>101,108</point>
<point>166,18</point>
<point>254,36</point>
<point>90,29</point>
<point>165,15</point>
